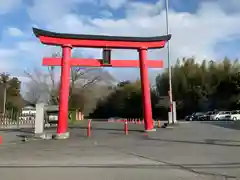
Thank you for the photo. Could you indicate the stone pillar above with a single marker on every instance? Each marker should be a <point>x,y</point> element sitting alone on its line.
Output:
<point>39,120</point>
<point>170,117</point>
<point>174,112</point>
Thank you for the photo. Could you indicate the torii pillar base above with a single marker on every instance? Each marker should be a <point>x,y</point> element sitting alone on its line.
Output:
<point>61,136</point>
<point>150,130</point>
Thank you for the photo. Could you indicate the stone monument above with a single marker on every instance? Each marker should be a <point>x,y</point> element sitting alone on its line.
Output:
<point>39,120</point>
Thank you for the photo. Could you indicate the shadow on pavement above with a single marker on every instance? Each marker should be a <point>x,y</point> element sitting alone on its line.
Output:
<point>162,165</point>
<point>111,129</point>
<point>215,142</point>
<point>22,130</point>
<point>225,124</point>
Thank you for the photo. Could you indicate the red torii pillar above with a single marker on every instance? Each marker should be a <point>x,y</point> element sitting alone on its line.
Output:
<point>68,41</point>
<point>64,90</point>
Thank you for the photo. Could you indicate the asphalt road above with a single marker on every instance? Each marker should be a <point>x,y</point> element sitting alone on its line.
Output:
<point>195,150</point>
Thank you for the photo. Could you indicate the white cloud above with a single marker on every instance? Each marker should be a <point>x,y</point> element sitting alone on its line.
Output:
<point>192,34</point>
<point>114,4</point>
<point>42,11</point>
<point>35,50</point>
<point>48,11</point>
<point>229,5</point>
<point>8,5</point>
<point>24,79</point>
<point>107,14</point>
<point>6,55</point>
<point>12,31</point>
<point>134,9</point>
<point>29,46</point>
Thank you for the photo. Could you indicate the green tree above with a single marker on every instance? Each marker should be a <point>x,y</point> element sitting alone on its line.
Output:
<point>10,90</point>
<point>201,87</point>
<point>125,101</point>
<point>4,80</point>
<point>196,86</point>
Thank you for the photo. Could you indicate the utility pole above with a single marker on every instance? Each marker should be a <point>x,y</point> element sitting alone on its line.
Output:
<point>170,120</point>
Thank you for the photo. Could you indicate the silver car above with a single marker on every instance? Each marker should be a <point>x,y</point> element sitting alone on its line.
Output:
<point>222,115</point>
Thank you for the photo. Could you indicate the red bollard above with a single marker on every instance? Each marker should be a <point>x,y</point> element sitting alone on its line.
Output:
<point>89,128</point>
<point>0,139</point>
<point>126,127</point>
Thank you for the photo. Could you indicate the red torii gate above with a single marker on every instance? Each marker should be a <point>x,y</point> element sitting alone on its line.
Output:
<point>68,41</point>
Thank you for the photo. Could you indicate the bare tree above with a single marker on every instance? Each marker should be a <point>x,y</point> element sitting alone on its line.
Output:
<point>82,78</point>
<point>43,86</point>
<point>33,95</point>
<point>47,84</point>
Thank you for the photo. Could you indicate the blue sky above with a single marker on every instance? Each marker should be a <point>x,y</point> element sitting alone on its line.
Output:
<point>200,28</point>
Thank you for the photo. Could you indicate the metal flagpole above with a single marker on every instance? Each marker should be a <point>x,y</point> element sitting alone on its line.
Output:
<point>170,120</point>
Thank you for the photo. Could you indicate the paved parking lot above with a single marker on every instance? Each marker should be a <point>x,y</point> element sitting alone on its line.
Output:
<point>195,150</point>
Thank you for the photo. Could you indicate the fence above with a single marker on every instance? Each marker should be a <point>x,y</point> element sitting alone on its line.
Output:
<point>16,120</point>
<point>27,120</point>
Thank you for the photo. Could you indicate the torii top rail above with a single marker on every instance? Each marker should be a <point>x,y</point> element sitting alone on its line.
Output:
<point>100,41</point>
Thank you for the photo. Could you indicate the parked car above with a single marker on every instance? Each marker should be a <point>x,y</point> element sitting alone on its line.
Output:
<point>204,116</point>
<point>208,116</point>
<point>51,114</point>
<point>235,115</point>
<point>195,116</point>
<point>187,118</point>
<point>115,119</point>
<point>212,114</point>
<point>222,115</point>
